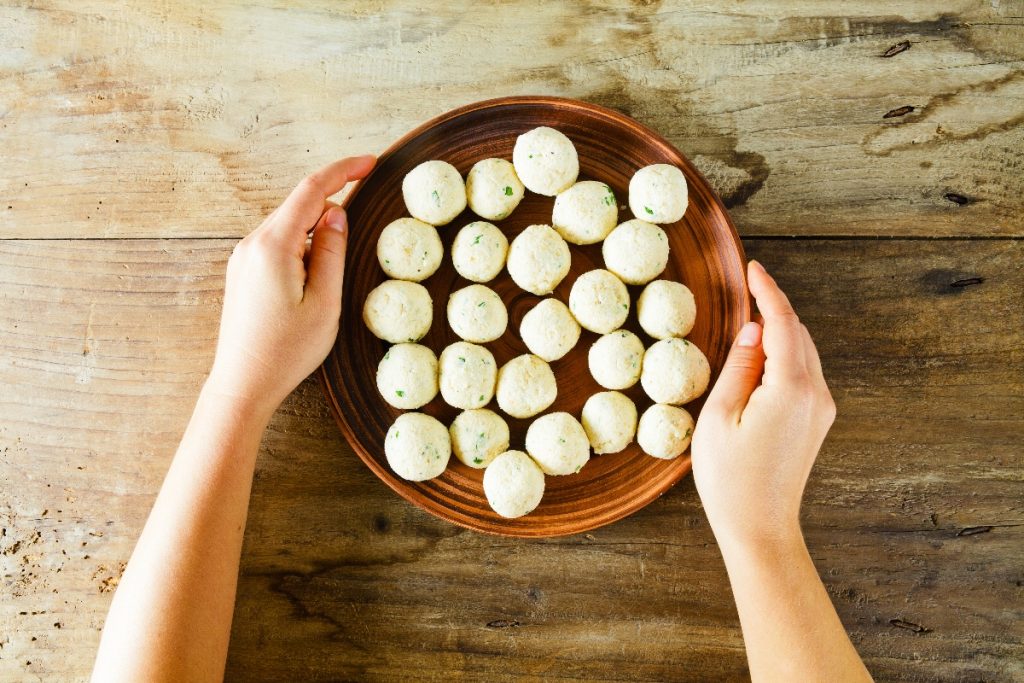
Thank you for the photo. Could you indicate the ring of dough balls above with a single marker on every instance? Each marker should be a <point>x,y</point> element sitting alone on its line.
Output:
<point>526,386</point>
<point>558,443</point>
<point>478,436</point>
<point>609,419</point>
<point>666,309</point>
<point>409,249</point>
<point>674,371</point>
<point>477,314</point>
<point>636,251</point>
<point>616,359</point>
<point>466,375</point>
<point>407,376</point>
<point>398,311</point>
<point>538,259</point>
<point>479,250</point>
<point>664,431</point>
<point>658,194</point>
<point>434,192</point>
<point>599,301</point>
<point>493,190</point>
<point>549,330</point>
<point>513,484</point>
<point>585,213</point>
<point>417,447</point>
<point>546,161</point>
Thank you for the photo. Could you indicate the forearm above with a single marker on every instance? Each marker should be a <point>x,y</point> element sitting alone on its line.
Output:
<point>171,615</point>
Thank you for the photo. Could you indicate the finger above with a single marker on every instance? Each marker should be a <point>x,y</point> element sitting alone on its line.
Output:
<point>782,339</point>
<point>327,256</point>
<point>305,205</point>
<point>812,359</point>
<point>740,375</point>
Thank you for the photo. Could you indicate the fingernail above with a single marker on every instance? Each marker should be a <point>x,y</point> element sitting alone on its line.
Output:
<point>337,219</point>
<point>750,335</point>
<point>756,265</point>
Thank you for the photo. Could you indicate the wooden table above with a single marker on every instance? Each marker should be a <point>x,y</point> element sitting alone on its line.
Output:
<point>873,161</point>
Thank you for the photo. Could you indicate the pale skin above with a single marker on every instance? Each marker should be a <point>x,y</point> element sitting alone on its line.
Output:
<point>753,448</point>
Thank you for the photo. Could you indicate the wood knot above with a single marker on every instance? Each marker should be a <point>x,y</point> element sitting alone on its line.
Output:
<point>957,199</point>
<point>502,623</point>
<point>898,111</point>
<point>972,530</point>
<point>967,282</point>
<point>909,625</point>
<point>902,46</point>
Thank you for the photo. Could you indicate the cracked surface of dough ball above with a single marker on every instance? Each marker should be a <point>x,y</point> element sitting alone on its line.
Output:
<point>585,213</point>
<point>398,311</point>
<point>479,250</point>
<point>616,359</point>
<point>434,192</point>
<point>609,419</point>
<point>674,371</point>
<point>407,376</point>
<point>664,431</point>
<point>417,447</point>
<point>409,249</point>
<point>538,259</point>
<point>636,251</point>
<point>558,443</point>
<point>658,194</point>
<point>599,301</point>
<point>545,161</point>
<point>549,330</point>
<point>466,375</point>
<point>513,484</point>
<point>666,309</point>
<point>478,436</point>
<point>493,190</point>
<point>526,386</point>
<point>477,314</point>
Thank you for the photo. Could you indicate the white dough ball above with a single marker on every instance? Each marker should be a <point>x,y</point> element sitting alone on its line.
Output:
<point>636,251</point>
<point>526,386</point>
<point>658,194</point>
<point>478,252</point>
<point>478,436</point>
<point>546,161</point>
<point>599,301</point>
<point>664,431</point>
<point>549,330</point>
<point>674,371</point>
<point>417,447</point>
<point>407,376</point>
<point>513,484</point>
<point>493,189</point>
<point>538,259</point>
<point>466,375</point>
<point>477,314</point>
<point>585,213</point>
<point>409,249</point>
<point>609,419</point>
<point>558,443</point>
<point>666,309</point>
<point>434,192</point>
<point>616,359</point>
<point>398,311</point>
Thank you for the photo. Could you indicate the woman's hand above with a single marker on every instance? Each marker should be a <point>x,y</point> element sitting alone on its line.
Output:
<point>282,299</point>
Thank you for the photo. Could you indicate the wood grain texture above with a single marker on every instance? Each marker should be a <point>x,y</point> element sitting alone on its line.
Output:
<point>141,119</point>
<point>913,512</point>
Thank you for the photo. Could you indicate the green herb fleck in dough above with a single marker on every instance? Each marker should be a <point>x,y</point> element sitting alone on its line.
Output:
<point>648,210</point>
<point>688,432</point>
<point>387,355</point>
<point>478,460</point>
<point>482,303</point>
<point>396,433</point>
<point>481,397</point>
<point>462,359</point>
<point>626,306</point>
<point>561,440</point>
<point>686,342</point>
<point>531,156</point>
<point>508,191</point>
<point>477,240</point>
<point>387,260</point>
<point>579,467</point>
<point>400,393</point>
<point>610,199</point>
<point>437,197</point>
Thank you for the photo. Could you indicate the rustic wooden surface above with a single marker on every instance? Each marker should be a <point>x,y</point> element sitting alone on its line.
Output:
<point>139,139</point>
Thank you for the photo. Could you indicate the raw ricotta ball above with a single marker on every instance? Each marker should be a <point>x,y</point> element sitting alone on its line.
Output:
<point>545,160</point>
<point>417,447</point>
<point>477,314</point>
<point>549,330</point>
<point>478,436</point>
<point>407,376</point>
<point>666,309</point>
<point>466,375</point>
<point>398,311</point>
<point>513,484</point>
<point>599,301</point>
<point>434,192</point>
<point>658,194</point>
<point>636,251</point>
<point>478,252</point>
<point>538,259</point>
<point>664,431</point>
<point>615,359</point>
<point>526,386</point>
<point>585,213</point>
<point>409,249</point>
<point>609,419</point>
<point>558,443</point>
<point>493,189</point>
<point>674,371</point>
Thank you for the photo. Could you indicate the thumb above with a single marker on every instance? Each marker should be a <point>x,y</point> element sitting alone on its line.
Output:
<point>740,375</point>
<point>327,255</point>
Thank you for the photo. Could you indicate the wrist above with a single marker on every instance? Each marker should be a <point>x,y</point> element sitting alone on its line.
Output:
<point>785,537</point>
<point>221,396</point>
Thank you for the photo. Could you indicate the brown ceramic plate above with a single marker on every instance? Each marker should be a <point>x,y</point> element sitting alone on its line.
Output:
<point>706,255</point>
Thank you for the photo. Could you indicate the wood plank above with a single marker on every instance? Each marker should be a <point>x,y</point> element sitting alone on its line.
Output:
<point>913,513</point>
<point>142,120</point>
